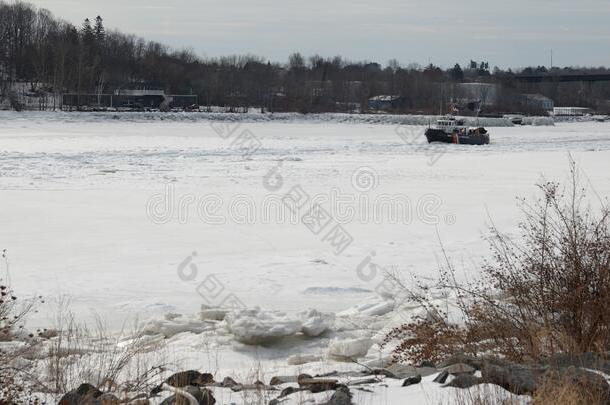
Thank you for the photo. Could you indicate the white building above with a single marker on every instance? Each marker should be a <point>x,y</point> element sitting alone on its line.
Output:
<point>571,111</point>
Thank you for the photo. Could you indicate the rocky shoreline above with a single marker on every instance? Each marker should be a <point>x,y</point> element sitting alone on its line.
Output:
<point>590,370</point>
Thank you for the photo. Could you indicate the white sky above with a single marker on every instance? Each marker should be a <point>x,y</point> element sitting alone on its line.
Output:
<point>511,33</point>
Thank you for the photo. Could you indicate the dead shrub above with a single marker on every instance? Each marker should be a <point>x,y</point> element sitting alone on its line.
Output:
<point>14,341</point>
<point>56,361</point>
<point>545,293</point>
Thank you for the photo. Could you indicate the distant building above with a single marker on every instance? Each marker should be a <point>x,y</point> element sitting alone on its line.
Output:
<point>133,99</point>
<point>384,103</point>
<point>139,98</point>
<point>539,102</point>
<point>571,111</point>
<point>485,93</point>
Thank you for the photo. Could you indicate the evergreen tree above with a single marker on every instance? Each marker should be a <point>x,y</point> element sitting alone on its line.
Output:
<point>484,69</point>
<point>457,74</point>
<point>87,32</point>
<point>99,30</point>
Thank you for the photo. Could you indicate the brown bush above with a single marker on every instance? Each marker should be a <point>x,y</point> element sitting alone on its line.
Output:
<point>570,390</point>
<point>12,316</point>
<point>547,293</point>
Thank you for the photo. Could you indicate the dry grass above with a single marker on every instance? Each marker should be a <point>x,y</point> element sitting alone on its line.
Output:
<point>568,391</point>
<point>84,354</point>
<point>77,354</point>
<point>485,395</point>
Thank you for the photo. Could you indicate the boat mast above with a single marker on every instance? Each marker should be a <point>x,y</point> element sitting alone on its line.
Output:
<point>440,112</point>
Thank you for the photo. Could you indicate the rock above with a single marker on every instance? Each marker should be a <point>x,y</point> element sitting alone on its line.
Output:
<point>228,382</point>
<point>384,372</point>
<point>592,361</point>
<point>427,364</point>
<point>184,378</point>
<point>474,362</point>
<point>464,381</point>
<point>289,391</point>
<point>517,379</point>
<point>84,394</point>
<point>48,333</point>
<point>342,396</point>
<point>256,386</point>
<point>460,368</point>
<point>426,371</point>
<point>364,381</point>
<point>139,402</point>
<point>190,377</point>
<point>277,380</point>
<point>302,377</point>
<point>412,381</point>
<point>401,371</point>
<point>463,359</point>
<point>259,385</point>
<point>317,384</point>
<point>108,399</point>
<point>441,377</point>
<point>203,397</point>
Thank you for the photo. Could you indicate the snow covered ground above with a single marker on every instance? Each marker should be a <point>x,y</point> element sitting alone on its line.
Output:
<point>144,217</point>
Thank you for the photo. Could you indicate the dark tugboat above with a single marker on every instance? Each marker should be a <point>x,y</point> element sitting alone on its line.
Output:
<point>451,130</point>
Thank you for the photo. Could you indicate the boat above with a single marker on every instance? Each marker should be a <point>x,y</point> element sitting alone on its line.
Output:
<point>451,130</point>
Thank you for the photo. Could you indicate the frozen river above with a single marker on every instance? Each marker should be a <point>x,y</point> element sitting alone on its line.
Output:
<point>138,218</point>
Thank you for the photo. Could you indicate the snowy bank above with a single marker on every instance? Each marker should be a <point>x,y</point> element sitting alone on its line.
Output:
<point>338,118</point>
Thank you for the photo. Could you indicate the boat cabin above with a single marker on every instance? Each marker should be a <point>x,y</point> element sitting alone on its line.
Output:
<point>449,125</point>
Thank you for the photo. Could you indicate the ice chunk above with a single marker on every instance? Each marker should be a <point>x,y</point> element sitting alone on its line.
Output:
<point>373,306</point>
<point>174,324</point>
<point>347,349</point>
<point>298,359</point>
<point>316,323</point>
<point>255,326</point>
<point>213,314</point>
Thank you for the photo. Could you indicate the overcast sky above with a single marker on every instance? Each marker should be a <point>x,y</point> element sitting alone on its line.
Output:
<point>509,33</point>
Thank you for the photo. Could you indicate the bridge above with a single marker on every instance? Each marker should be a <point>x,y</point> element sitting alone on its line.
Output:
<point>566,77</point>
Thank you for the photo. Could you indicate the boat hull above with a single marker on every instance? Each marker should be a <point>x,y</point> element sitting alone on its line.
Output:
<point>437,135</point>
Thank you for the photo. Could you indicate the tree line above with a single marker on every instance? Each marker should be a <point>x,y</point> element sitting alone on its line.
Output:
<point>55,57</point>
